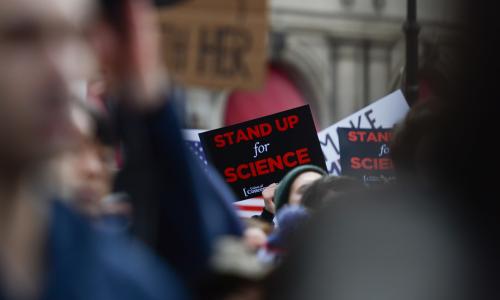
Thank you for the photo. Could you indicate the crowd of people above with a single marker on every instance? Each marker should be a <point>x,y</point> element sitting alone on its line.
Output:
<point>100,198</point>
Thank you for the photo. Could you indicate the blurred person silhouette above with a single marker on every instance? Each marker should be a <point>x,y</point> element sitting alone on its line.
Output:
<point>47,251</point>
<point>376,245</point>
<point>320,192</point>
<point>413,149</point>
<point>289,190</point>
<point>179,208</point>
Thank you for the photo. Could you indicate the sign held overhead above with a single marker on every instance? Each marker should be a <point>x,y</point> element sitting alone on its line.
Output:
<point>256,153</point>
<point>365,154</point>
<point>217,44</point>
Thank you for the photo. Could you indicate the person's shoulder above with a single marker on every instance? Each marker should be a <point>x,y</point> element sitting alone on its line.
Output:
<point>131,266</point>
<point>90,264</point>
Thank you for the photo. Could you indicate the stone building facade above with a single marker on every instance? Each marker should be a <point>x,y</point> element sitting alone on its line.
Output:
<point>340,54</point>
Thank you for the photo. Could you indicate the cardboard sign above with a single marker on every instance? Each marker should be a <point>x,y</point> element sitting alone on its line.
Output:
<point>254,154</point>
<point>365,154</point>
<point>384,113</point>
<point>217,44</point>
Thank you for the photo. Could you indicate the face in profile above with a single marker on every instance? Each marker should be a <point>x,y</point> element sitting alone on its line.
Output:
<point>43,50</point>
<point>300,184</point>
<point>87,169</point>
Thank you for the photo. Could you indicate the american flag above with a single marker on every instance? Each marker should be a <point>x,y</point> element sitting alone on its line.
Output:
<point>197,150</point>
<point>246,208</point>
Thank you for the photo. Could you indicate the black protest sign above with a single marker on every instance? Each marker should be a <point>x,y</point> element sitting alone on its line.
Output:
<point>365,154</point>
<point>256,153</point>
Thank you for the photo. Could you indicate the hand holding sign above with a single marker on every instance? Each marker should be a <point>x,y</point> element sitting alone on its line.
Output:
<point>268,195</point>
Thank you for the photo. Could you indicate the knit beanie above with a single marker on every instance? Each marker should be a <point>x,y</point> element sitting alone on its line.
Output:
<point>283,190</point>
<point>290,219</point>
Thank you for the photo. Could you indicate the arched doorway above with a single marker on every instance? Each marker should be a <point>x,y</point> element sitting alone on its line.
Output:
<point>278,94</point>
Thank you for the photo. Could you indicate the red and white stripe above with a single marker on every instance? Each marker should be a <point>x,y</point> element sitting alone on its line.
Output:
<point>250,207</point>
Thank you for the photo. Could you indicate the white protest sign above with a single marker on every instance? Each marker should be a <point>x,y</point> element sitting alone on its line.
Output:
<point>382,114</point>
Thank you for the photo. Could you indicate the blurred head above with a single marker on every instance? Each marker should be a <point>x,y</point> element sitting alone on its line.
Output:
<point>327,189</point>
<point>421,144</point>
<point>295,182</point>
<point>375,245</point>
<point>43,50</point>
<point>290,219</point>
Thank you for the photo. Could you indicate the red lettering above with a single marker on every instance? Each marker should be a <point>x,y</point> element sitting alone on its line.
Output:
<point>265,129</point>
<point>303,156</point>
<point>351,136</point>
<point>371,163</point>
<point>384,136</point>
<point>253,132</point>
<point>240,136</point>
<point>371,137</point>
<point>385,164</point>
<point>362,135</point>
<point>219,141</point>
<point>252,169</point>
<point>281,127</point>
<point>230,176</point>
<point>293,120</point>
<point>275,164</point>
<point>367,164</point>
<point>355,164</point>
<point>286,160</point>
<point>229,137</point>
<point>261,167</point>
<point>239,171</point>
<point>267,165</point>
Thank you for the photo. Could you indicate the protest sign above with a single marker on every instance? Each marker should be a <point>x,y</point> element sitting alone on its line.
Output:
<point>365,154</point>
<point>256,153</point>
<point>217,44</point>
<point>245,208</point>
<point>382,114</point>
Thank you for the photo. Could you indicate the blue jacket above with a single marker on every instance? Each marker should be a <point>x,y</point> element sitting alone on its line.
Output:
<point>86,264</point>
<point>180,208</point>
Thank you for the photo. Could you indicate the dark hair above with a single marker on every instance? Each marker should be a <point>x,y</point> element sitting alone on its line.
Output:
<point>113,10</point>
<point>103,129</point>
<point>323,190</point>
<point>424,139</point>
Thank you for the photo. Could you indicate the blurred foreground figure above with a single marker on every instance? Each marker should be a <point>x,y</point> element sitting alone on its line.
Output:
<point>179,209</point>
<point>377,245</point>
<point>46,250</point>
